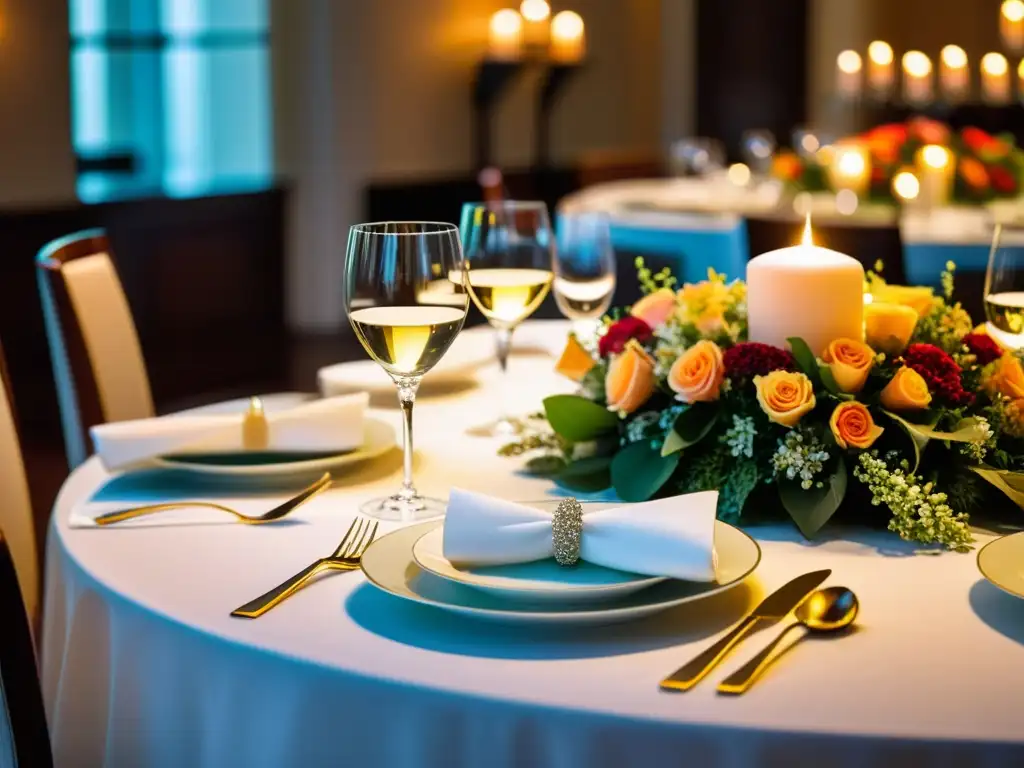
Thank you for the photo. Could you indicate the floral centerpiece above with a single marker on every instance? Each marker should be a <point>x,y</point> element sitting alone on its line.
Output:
<point>986,167</point>
<point>914,427</point>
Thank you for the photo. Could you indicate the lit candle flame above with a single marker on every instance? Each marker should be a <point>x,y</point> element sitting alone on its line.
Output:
<point>807,239</point>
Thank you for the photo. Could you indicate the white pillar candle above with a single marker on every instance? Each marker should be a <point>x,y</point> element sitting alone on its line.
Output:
<point>568,44</point>
<point>850,168</point>
<point>848,73</point>
<point>805,291</point>
<point>506,35</point>
<point>954,79</point>
<point>880,69</point>
<point>536,24</point>
<point>917,77</point>
<point>935,174</point>
<point>1011,24</point>
<point>995,78</point>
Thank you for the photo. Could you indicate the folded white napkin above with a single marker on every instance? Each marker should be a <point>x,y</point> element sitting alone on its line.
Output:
<point>334,424</point>
<point>669,537</point>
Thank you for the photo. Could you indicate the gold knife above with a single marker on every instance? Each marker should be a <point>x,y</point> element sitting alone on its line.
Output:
<point>772,609</point>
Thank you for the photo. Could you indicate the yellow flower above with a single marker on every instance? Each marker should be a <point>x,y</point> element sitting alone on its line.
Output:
<point>850,362</point>
<point>1013,418</point>
<point>697,375</point>
<point>704,304</point>
<point>655,308</point>
<point>1006,377</point>
<point>853,427</point>
<point>785,397</point>
<point>919,297</point>
<point>888,327</point>
<point>907,391</point>
<point>630,379</point>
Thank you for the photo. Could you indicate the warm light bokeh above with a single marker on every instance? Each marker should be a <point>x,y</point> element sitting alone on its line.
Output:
<point>739,174</point>
<point>935,156</point>
<point>567,25</point>
<point>954,57</point>
<point>906,186</point>
<point>994,64</point>
<point>535,10</point>
<point>880,52</point>
<point>849,62</point>
<point>917,64</point>
<point>1013,10</point>
<point>506,23</point>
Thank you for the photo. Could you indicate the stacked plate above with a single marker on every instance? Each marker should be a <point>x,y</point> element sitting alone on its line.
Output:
<point>410,564</point>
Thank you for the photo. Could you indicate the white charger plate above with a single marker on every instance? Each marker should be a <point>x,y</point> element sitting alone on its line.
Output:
<point>1001,561</point>
<point>543,581</point>
<point>388,565</point>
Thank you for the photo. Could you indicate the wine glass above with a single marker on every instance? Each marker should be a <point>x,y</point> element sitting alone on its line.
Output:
<point>584,270</point>
<point>405,298</point>
<point>757,148</point>
<point>1004,285</point>
<point>509,262</point>
<point>697,156</point>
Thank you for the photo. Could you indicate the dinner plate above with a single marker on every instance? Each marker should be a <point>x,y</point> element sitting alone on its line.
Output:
<point>389,566</point>
<point>542,581</point>
<point>1001,561</point>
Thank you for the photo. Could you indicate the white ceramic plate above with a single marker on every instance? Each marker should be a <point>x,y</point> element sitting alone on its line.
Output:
<point>1001,561</point>
<point>388,564</point>
<point>544,581</point>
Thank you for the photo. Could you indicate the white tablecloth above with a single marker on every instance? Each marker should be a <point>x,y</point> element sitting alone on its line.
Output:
<point>143,666</point>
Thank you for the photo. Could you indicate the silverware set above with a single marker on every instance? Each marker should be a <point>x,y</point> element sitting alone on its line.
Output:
<point>827,610</point>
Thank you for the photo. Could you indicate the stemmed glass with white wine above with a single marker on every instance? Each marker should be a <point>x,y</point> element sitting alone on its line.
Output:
<point>1004,286</point>
<point>584,270</point>
<point>509,268</point>
<point>405,298</point>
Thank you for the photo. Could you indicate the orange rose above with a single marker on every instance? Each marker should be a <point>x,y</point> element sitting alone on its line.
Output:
<point>850,362</point>
<point>697,375</point>
<point>907,391</point>
<point>1006,378</point>
<point>853,426</point>
<point>888,327</point>
<point>630,379</point>
<point>785,397</point>
<point>655,308</point>
<point>920,297</point>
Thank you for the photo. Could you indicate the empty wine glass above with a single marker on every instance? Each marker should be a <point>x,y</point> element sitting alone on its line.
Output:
<point>509,261</point>
<point>1004,285</point>
<point>584,270</point>
<point>757,148</point>
<point>697,156</point>
<point>406,301</point>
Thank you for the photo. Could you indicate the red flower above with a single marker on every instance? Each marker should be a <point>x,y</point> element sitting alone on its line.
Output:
<point>976,139</point>
<point>982,347</point>
<point>748,359</point>
<point>621,331</point>
<point>929,131</point>
<point>940,372</point>
<point>1002,180</point>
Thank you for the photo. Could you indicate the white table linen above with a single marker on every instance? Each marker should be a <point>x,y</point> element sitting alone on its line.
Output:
<point>143,666</point>
<point>666,537</point>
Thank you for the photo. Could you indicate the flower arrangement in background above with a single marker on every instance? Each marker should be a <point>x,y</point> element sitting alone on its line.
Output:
<point>914,427</point>
<point>982,168</point>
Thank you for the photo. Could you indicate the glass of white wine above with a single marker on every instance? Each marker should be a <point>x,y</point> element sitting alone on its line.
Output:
<point>584,270</point>
<point>406,301</point>
<point>1004,286</point>
<point>510,251</point>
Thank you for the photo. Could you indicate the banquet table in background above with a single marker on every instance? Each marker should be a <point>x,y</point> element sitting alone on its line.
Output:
<point>143,666</point>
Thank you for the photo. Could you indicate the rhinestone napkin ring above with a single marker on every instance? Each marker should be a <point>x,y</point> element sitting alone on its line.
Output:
<point>566,530</point>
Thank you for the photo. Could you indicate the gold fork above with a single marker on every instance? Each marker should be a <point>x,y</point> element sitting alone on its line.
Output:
<point>275,514</point>
<point>345,558</point>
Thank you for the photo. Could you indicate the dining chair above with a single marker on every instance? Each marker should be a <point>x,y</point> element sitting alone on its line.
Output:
<point>15,502</point>
<point>97,360</point>
<point>24,738</point>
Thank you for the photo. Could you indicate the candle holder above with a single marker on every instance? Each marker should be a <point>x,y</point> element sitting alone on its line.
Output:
<point>492,78</point>
<point>556,77</point>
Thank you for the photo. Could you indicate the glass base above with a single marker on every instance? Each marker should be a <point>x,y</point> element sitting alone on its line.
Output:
<point>404,508</point>
<point>499,428</point>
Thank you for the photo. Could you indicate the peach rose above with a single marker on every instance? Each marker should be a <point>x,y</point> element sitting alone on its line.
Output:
<point>921,298</point>
<point>853,426</point>
<point>888,327</point>
<point>655,308</point>
<point>1006,377</point>
<point>850,362</point>
<point>907,391</point>
<point>630,379</point>
<point>785,396</point>
<point>697,375</point>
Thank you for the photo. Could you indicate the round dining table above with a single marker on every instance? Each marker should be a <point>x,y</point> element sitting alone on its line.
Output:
<point>142,664</point>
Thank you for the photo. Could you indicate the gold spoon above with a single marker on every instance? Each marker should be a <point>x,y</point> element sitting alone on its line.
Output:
<point>827,610</point>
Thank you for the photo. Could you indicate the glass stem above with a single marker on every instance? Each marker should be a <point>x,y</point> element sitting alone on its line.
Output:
<point>503,342</point>
<point>407,398</point>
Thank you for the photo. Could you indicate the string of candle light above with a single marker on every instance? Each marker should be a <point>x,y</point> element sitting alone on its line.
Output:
<point>532,32</point>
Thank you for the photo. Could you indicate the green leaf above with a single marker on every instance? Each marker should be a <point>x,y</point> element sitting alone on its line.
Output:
<point>969,430</point>
<point>639,471</point>
<point>545,466</point>
<point>812,508</point>
<point>805,358</point>
<point>829,380</point>
<point>578,419</point>
<point>691,426</point>
<point>1010,483</point>
<point>586,475</point>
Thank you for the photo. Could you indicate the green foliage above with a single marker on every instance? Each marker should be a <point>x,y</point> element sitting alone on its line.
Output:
<point>739,484</point>
<point>805,359</point>
<point>578,419</point>
<point>638,471</point>
<point>811,508</point>
<point>586,475</point>
<point>691,426</point>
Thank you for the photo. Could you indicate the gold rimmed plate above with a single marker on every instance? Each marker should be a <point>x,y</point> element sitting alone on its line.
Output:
<point>389,565</point>
<point>1001,561</point>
